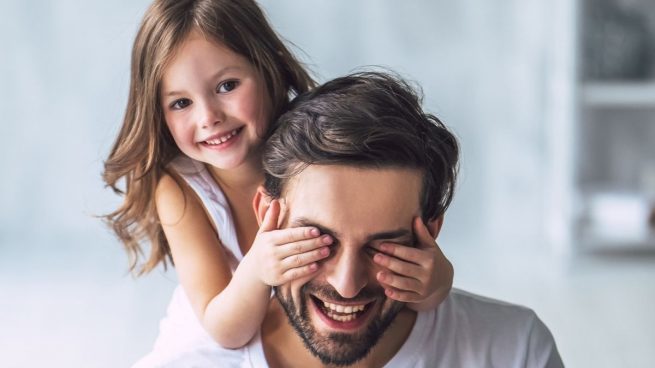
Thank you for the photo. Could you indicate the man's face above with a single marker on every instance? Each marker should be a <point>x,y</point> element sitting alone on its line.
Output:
<point>342,311</point>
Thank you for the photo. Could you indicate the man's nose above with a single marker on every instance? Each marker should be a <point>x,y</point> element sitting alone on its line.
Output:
<point>347,274</point>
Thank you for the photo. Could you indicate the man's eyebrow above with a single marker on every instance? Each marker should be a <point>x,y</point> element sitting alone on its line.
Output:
<point>400,234</point>
<point>385,235</point>
<point>302,221</point>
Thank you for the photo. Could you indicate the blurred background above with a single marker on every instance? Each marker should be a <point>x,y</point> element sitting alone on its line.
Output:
<point>553,102</point>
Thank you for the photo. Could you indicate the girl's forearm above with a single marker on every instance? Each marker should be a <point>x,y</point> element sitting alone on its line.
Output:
<point>233,317</point>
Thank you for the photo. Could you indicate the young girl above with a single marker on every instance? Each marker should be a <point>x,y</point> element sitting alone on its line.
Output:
<point>208,78</point>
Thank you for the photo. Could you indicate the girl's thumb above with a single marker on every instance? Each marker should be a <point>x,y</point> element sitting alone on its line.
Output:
<point>269,222</point>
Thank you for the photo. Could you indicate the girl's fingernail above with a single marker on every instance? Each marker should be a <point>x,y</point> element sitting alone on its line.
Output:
<point>314,232</point>
<point>326,239</point>
<point>325,251</point>
<point>313,266</point>
<point>378,257</point>
<point>385,247</point>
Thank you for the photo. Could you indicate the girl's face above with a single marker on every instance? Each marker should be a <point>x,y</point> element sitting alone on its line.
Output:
<point>214,103</point>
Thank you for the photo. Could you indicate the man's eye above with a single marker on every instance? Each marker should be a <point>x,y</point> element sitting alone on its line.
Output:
<point>371,251</point>
<point>227,86</point>
<point>180,104</point>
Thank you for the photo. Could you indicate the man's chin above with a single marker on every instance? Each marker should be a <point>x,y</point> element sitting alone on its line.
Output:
<point>346,343</point>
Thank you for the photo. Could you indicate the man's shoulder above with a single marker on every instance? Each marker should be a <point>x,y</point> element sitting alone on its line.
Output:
<point>473,330</point>
<point>467,313</point>
<point>464,302</point>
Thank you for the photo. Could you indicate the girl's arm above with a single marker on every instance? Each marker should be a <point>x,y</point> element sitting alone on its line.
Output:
<point>230,307</point>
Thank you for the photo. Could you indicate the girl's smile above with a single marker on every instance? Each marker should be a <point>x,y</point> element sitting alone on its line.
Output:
<point>221,141</point>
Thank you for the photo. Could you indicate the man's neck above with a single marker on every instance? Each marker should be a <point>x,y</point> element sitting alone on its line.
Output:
<point>283,347</point>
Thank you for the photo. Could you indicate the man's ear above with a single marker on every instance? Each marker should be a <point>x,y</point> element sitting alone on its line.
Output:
<point>260,203</point>
<point>434,226</point>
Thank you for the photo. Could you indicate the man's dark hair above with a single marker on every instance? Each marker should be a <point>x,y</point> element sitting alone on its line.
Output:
<point>367,120</point>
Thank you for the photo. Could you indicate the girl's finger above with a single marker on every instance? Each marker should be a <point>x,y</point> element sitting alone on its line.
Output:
<point>299,247</point>
<point>302,259</point>
<point>269,222</point>
<point>402,296</point>
<point>404,252</point>
<point>298,272</point>
<point>294,234</point>
<point>399,282</point>
<point>428,242</point>
<point>404,260</point>
<point>425,239</point>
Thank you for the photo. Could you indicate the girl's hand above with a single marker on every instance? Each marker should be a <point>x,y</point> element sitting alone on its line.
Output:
<point>288,254</point>
<point>417,275</point>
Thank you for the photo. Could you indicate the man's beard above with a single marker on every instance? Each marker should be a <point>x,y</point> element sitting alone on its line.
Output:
<point>341,349</point>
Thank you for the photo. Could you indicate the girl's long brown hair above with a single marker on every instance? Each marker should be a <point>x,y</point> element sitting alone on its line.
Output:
<point>144,145</point>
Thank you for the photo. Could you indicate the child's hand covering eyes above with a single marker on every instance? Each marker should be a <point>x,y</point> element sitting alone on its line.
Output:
<point>421,275</point>
<point>286,254</point>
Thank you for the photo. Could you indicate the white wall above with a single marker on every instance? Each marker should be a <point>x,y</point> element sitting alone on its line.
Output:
<point>494,71</point>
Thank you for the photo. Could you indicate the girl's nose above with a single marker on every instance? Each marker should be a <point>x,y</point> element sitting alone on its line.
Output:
<point>211,114</point>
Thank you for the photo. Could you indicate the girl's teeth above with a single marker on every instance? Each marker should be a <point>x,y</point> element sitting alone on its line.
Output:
<point>222,139</point>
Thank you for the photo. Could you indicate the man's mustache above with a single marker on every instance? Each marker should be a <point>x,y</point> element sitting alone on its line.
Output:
<point>326,291</point>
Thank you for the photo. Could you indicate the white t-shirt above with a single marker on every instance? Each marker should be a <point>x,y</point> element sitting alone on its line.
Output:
<point>466,330</point>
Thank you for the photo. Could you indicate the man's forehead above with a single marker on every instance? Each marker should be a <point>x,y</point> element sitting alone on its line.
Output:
<point>317,175</point>
<point>355,200</point>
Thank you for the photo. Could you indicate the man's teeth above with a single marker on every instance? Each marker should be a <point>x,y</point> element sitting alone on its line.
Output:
<point>343,308</point>
<point>222,139</point>
<point>346,318</point>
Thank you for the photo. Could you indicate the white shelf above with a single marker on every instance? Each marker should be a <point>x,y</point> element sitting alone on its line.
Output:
<point>589,239</point>
<point>613,219</point>
<point>619,94</point>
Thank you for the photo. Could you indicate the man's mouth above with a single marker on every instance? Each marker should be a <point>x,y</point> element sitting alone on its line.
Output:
<point>218,140</point>
<point>342,316</point>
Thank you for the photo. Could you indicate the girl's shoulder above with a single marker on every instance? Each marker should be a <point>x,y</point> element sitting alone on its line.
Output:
<point>172,196</point>
<point>180,186</point>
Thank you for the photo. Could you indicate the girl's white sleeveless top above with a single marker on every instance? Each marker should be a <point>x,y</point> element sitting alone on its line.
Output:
<point>180,330</point>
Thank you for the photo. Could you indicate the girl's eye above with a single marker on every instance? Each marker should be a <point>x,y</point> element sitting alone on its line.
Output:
<point>227,86</point>
<point>180,104</point>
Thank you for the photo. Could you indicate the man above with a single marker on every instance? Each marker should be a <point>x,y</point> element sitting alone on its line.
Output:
<point>358,159</point>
